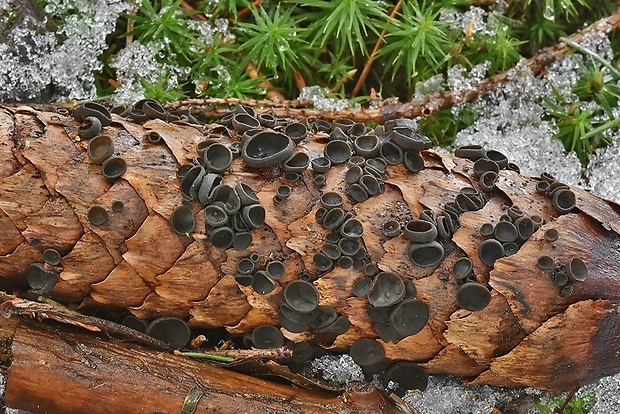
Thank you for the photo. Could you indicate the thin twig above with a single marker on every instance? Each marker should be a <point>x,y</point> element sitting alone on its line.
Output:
<point>231,355</point>
<point>371,58</point>
<point>24,307</point>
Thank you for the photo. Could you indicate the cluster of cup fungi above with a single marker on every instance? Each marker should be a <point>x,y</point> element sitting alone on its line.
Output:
<point>232,212</point>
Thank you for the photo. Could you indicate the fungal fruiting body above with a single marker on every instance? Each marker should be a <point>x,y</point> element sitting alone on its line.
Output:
<point>377,245</point>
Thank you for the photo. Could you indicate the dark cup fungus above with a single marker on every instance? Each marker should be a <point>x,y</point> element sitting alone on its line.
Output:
<point>93,109</point>
<point>357,160</point>
<point>222,237</point>
<point>500,159</point>
<point>153,109</point>
<point>391,228</point>
<point>379,314</point>
<point>135,114</point>
<point>391,152</point>
<point>228,197</point>
<point>283,191</point>
<point>242,240</point>
<point>413,161</point>
<point>262,283</point>
<point>296,316</point>
<point>515,213</point>
<point>511,166</point>
<point>134,323</point>
<point>297,162</point>
<point>409,140</point>
<point>100,148</point>
<point>113,167</point>
<point>244,280</point>
<point>353,174</point>
<point>560,278</point>
<point>242,122</point>
<point>191,182</point>
<point>319,180</point>
<point>370,184</point>
<point>245,266</point>
<point>420,231</point>
<point>296,131</point>
<point>370,269</point>
<point>321,165</point>
<point>510,248</point>
<point>556,186</point>
<point>326,315</point>
<point>289,325</point>
<point>400,123</point>
<point>361,286</point>
<point>267,336</point>
<point>184,169</point>
<point>357,130</point>
<point>409,317</point>
<point>216,215</point>
<point>366,352</point>
<point>40,279</point>
<point>319,214</point>
<point>245,109</point>
<point>444,227</point>
<point>505,232</point>
<point>564,201</point>
<point>322,262</point>
<point>253,215</point>
<point>551,235</point>
<point>483,165</point>
<point>90,128</point>
<point>337,134</point>
<point>301,296</point>
<point>404,376</point>
<point>473,296</point>
<point>333,237</point>
<point>320,125</point>
<point>343,123</point>
<point>387,289</point>
<point>182,220</point>
<point>537,220</point>
<point>208,185</point>
<point>410,289</point>
<point>334,218</point>
<point>471,152</point>
<point>567,289</point>
<point>366,145</point>
<point>487,181</point>
<point>387,333</point>
<point>349,247</point>
<point>542,187</point>
<point>358,264</point>
<point>426,254</point>
<point>545,176</point>
<point>462,268</point>
<point>246,194</point>
<point>51,256</point>
<point>378,164</point>
<point>358,193</point>
<point>576,269</point>
<point>489,251</point>
<point>275,269</point>
<point>97,215</point>
<point>217,158</point>
<point>254,256</point>
<point>266,149</point>
<point>352,228</point>
<point>117,206</point>
<point>171,330</point>
<point>266,120</point>
<point>331,250</point>
<point>337,151</point>
<point>525,228</point>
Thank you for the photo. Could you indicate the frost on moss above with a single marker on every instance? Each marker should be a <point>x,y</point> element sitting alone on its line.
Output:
<point>41,62</point>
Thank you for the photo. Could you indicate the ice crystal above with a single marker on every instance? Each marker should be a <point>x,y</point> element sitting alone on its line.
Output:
<point>316,95</point>
<point>338,369</point>
<point>37,64</point>
<point>460,80</point>
<point>510,121</point>
<point>447,395</point>
<point>137,61</point>
<point>474,20</point>
<point>430,86</point>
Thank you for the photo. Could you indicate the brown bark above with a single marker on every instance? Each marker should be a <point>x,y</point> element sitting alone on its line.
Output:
<point>528,335</point>
<point>76,372</point>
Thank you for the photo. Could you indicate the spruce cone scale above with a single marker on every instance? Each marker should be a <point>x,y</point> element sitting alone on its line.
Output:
<point>528,334</point>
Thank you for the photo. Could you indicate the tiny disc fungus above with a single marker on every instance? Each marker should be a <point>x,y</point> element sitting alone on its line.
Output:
<point>473,296</point>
